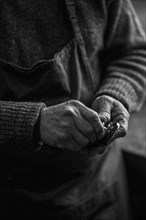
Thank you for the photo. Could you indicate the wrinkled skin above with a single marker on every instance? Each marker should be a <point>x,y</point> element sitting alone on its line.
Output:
<point>111,110</point>
<point>73,126</point>
<point>70,125</point>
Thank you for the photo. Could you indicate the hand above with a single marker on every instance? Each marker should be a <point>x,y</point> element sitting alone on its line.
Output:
<point>70,125</point>
<point>111,110</point>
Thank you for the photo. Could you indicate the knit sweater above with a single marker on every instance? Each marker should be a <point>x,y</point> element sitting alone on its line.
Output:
<point>35,30</point>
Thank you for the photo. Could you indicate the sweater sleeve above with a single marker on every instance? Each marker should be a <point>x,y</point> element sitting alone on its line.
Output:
<point>17,122</point>
<point>124,56</point>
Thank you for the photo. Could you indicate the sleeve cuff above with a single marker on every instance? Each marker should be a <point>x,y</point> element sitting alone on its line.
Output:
<point>17,125</point>
<point>120,90</point>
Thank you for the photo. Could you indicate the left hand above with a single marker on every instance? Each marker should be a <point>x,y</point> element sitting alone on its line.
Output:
<point>110,110</point>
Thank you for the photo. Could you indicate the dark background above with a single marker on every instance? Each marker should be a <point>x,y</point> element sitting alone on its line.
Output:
<point>134,201</point>
<point>135,140</point>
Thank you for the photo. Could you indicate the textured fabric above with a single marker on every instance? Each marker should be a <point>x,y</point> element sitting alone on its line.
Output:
<point>52,182</point>
<point>30,31</point>
<point>64,77</point>
<point>105,186</point>
<point>20,126</point>
<point>124,59</point>
<point>55,182</point>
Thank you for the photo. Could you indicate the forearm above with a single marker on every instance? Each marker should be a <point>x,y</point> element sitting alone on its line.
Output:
<point>124,57</point>
<point>17,122</point>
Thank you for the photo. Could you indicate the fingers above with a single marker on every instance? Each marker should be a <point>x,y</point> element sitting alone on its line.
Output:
<point>79,138</point>
<point>85,128</point>
<point>72,125</point>
<point>90,125</point>
<point>73,141</point>
<point>122,131</point>
<point>120,115</point>
<point>111,110</point>
<point>103,106</point>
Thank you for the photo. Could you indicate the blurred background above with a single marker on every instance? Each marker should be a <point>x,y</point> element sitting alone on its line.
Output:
<point>136,138</point>
<point>133,147</point>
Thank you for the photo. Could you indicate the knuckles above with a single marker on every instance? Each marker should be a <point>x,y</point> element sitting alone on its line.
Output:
<point>65,124</point>
<point>70,109</point>
<point>74,102</point>
<point>63,137</point>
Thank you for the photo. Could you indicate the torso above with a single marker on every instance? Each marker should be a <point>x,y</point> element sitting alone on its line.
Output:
<point>37,30</point>
<point>32,30</point>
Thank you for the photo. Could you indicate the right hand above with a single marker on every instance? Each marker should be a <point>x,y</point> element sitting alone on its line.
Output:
<point>70,125</point>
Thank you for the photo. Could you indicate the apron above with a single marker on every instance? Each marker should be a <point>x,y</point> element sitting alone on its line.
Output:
<point>52,183</point>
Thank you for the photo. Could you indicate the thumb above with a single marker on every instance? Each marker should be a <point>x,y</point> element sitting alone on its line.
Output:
<point>103,107</point>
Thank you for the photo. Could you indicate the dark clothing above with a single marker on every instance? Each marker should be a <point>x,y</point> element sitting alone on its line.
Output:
<point>31,29</point>
<point>49,182</point>
<point>97,194</point>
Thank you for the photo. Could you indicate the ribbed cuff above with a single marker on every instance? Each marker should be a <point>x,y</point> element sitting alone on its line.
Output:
<point>17,122</point>
<point>120,90</point>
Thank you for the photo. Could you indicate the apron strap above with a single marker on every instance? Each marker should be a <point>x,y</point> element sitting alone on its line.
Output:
<point>71,8</point>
